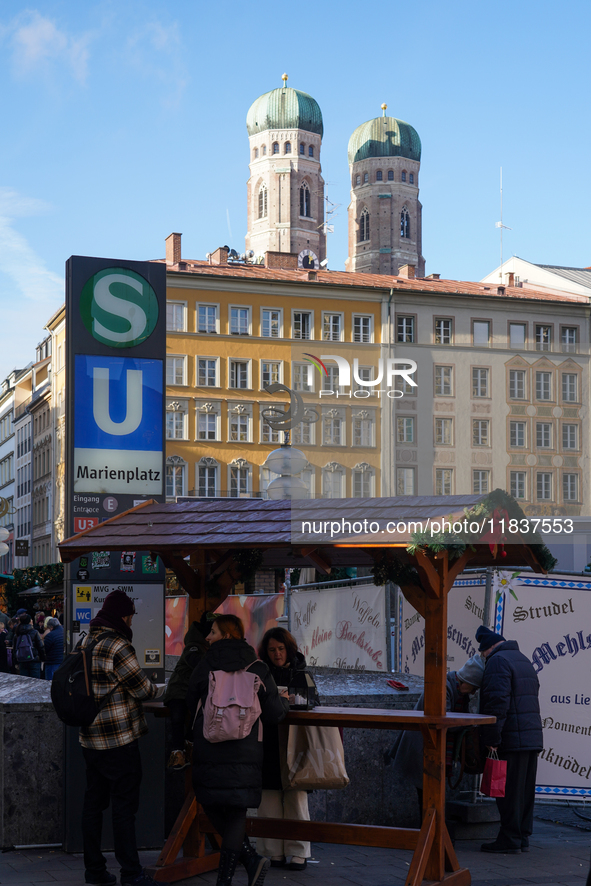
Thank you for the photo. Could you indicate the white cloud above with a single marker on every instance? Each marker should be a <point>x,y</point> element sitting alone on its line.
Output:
<point>155,51</point>
<point>38,44</point>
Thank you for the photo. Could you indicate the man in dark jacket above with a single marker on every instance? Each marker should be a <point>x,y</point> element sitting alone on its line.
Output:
<point>509,692</point>
<point>54,647</point>
<point>28,649</point>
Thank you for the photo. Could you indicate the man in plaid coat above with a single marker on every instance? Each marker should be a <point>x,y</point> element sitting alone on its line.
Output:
<point>110,743</point>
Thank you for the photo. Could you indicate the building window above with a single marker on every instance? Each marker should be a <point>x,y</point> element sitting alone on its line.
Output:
<point>333,430</point>
<point>362,482</point>
<point>543,338</point>
<point>305,206</point>
<point>176,370</point>
<point>7,470</point>
<point>239,422</point>
<point>569,436</point>
<point>176,424</point>
<point>444,431</point>
<point>362,431</point>
<point>275,147</point>
<point>480,382</point>
<point>544,434</point>
<point>362,329</point>
<point>207,372</point>
<point>264,150</point>
<point>544,486</point>
<point>330,381</point>
<point>444,481</point>
<point>405,481</point>
<point>255,153</point>
<point>517,484</point>
<point>238,374</point>
<point>405,223</point>
<point>288,147</point>
<point>403,176</point>
<point>302,148</point>
<point>207,480</point>
<point>239,321</point>
<point>480,432</point>
<point>332,482</point>
<point>363,226</point>
<point>238,480</point>
<point>443,381</point>
<point>401,384</point>
<point>379,175</point>
<point>268,434</point>
<point>443,331</point>
<point>390,175</point>
<point>301,377</point>
<point>365,177</point>
<point>411,178</point>
<point>302,434</point>
<point>570,487</point>
<point>263,202</point>
<point>302,325</point>
<point>270,372</point>
<point>357,179</point>
<point>517,384</point>
<point>568,339</point>
<point>175,476</point>
<point>207,318</point>
<point>310,150</point>
<point>207,426</point>
<point>569,387</point>
<point>480,482</point>
<point>517,433</point>
<point>481,333</point>
<point>517,335</point>
<point>332,325</point>
<point>271,323</point>
<point>543,385</point>
<point>405,329</point>
<point>175,317</point>
<point>405,429</point>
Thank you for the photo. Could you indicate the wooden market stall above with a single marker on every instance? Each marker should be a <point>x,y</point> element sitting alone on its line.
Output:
<point>402,539</point>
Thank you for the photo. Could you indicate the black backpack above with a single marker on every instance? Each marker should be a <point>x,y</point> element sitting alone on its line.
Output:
<point>71,688</point>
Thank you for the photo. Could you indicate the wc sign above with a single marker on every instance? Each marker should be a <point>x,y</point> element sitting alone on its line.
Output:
<point>115,335</point>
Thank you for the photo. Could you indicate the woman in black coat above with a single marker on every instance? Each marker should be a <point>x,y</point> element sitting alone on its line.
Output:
<point>279,651</point>
<point>227,775</point>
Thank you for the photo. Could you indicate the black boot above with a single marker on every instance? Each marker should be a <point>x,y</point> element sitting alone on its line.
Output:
<point>228,861</point>
<point>256,865</point>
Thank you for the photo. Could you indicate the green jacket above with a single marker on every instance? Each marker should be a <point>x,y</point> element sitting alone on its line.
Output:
<point>195,649</point>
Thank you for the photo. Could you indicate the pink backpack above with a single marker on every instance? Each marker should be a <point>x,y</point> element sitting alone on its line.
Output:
<point>232,706</point>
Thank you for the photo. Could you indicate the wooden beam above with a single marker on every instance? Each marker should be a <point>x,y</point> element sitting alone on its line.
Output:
<point>186,576</point>
<point>430,577</point>
<point>456,568</point>
<point>451,859</point>
<point>420,858</point>
<point>179,831</point>
<point>320,563</point>
<point>222,563</point>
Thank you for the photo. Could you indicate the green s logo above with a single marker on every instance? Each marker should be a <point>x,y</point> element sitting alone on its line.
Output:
<point>119,307</point>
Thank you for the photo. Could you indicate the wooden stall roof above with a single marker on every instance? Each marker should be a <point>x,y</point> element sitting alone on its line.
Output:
<point>276,527</point>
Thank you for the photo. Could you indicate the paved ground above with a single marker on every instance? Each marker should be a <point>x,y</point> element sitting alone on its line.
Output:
<point>559,856</point>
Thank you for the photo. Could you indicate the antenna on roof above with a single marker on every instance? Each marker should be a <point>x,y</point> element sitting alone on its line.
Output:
<point>502,227</point>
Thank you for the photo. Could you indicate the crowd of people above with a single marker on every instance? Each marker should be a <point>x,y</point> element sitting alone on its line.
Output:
<point>32,646</point>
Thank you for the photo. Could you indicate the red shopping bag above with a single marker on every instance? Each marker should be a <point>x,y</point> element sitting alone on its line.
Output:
<point>494,776</point>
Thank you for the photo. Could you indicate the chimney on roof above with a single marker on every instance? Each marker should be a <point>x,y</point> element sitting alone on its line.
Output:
<point>173,249</point>
<point>511,280</point>
<point>433,277</point>
<point>407,271</point>
<point>220,256</point>
<point>285,261</point>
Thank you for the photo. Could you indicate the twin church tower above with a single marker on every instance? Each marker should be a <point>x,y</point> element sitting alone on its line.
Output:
<point>286,188</point>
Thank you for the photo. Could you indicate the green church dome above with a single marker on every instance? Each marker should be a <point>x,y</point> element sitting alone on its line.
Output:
<point>285,108</point>
<point>384,137</point>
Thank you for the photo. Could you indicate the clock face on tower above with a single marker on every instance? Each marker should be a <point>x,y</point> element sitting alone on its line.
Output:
<point>308,260</point>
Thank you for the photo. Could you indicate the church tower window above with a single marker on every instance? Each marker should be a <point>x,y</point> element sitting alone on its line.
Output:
<point>263,202</point>
<point>275,147</point>
<point>390,175</point>
<point>364,226</point>
<point>411,178</point>
<point>305,207</point>
<point>357,179</point>
<point>405,223</point>
<point>264,150</point>
<point>310,150</point>
<point>365,177</point>
<point>302,149</point>
<point>403,176</point>
<point>379,175</point>
<point>288,147</point>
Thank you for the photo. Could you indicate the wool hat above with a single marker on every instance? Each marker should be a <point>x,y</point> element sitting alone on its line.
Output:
<point>487,638</point>
<point>20,612</point>
<point>117,603</point>
<point>472,671</point>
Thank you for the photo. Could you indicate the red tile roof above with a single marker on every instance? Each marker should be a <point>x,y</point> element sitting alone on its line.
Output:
<point>371,281</point>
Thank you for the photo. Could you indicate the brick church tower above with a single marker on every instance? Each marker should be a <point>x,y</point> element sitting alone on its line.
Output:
<point>385,230</point>
<point>286,188</point>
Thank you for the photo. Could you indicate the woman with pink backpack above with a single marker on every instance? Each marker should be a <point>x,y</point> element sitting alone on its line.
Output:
<point>230,692</point>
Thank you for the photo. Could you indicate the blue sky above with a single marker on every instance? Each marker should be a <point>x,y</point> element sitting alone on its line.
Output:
<point>123,121</point>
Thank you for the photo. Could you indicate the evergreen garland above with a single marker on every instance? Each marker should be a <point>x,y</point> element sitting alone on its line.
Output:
<point>51,573</point>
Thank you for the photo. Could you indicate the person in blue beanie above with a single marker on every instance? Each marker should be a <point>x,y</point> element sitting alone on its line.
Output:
<point>54,647</point>
<point>509,692</point>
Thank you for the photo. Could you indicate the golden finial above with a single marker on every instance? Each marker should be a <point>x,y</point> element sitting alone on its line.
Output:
<point>284,78</point>
<point>384,106</point>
